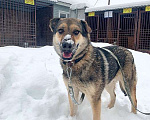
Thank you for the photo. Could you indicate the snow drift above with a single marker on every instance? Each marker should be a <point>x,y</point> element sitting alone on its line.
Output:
<point>31,87</point>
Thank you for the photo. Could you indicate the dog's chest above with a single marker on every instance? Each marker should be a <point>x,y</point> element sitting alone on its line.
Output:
<point>85,78</point>
<point>81,83</point>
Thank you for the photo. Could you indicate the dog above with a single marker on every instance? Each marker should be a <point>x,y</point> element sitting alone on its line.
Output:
<point>93,69</point>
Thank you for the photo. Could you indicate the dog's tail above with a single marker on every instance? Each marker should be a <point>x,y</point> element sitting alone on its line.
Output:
<point>122,89</point>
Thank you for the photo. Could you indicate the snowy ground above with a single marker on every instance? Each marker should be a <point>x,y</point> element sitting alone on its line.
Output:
<point>32,88</point>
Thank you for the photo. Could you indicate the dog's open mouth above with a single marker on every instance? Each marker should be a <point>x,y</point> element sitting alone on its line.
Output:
<point>67,55</point>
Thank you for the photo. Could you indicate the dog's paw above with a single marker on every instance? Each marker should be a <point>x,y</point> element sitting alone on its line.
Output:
<point>134,111</point>
<point>111,105</point>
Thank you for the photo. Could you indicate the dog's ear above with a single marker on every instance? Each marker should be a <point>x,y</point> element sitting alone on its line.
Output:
<point>85,27</point>
<point>53,23</point>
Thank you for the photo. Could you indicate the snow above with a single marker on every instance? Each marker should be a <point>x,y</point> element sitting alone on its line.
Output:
<point>99,3</point>
<point>32,88</point>
<point>78,3</point>
<point>48,0</point>
<point>78,6</point>
<point>74,1</point>
<point>114,2</point>
<point>117,6</point>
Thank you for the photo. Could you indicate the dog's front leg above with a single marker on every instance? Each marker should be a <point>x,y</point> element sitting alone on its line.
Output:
<point>96,108</point>
<point>73,107</point>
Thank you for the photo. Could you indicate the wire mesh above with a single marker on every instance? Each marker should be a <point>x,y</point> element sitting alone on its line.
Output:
<point>17,23</point>
<point>130,30</point>
<point>127,30</point>
<point>144,31</point>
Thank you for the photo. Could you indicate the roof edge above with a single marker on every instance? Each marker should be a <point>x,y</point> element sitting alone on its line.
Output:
<point>117,6</point>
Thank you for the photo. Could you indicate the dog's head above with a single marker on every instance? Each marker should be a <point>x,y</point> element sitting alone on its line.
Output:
<point>70,37</point>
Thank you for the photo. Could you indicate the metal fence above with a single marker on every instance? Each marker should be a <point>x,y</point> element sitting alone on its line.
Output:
<point>17,23</point>
<point>24,24</point>
<point>143,36</point>
<point>127,28</point>
<point>130,30</point>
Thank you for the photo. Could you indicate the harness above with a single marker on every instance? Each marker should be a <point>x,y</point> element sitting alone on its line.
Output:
<point>71,92</point>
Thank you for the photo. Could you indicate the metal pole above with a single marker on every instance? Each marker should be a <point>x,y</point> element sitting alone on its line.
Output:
<point>35,24</point>
<point>108,2</point>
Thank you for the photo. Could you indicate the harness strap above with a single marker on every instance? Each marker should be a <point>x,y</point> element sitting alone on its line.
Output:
<point>125,82</point>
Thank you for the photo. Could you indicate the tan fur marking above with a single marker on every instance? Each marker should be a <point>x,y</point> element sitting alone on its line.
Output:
<point>78,37</point>
<point>63,26</point>
<point>73,107</point>
<point>96,109</point>
<point>74,27</point>
<point>61,36</point>
<point>133,96</point>
<point>106,65</point>
<point>111,89</point>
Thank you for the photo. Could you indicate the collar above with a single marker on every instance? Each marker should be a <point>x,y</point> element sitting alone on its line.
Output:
<point>71,63</point>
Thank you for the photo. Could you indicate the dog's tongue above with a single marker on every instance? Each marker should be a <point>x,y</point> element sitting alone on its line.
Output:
<point>67,55</point>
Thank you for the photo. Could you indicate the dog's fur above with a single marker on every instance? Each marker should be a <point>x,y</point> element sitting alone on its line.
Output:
<point>97,68</point>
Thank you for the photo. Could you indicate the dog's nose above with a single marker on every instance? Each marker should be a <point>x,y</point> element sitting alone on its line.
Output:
<point>67,43</point>
<point>66,46</point>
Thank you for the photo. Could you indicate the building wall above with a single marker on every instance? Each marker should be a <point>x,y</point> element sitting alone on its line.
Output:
<point>79,14</point>
<point>73,14</point>
<point>58,8</point>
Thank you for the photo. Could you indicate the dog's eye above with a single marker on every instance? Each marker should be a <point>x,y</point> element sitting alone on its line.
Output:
<point>60,31</point>
<point>76,32</point>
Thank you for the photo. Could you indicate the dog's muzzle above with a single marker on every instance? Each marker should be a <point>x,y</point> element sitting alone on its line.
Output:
<point>67,47</point>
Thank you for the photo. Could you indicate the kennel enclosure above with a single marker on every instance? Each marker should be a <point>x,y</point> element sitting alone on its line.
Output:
<point>126,25</point>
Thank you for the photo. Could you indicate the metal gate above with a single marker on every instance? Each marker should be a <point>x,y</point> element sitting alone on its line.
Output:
<point>103,29</point>
<point>17,23</point>
<point>112,29</point>
<point>130,30</point>
<point>127,29</point>
<point>93,22</point>
<point>143,37</point>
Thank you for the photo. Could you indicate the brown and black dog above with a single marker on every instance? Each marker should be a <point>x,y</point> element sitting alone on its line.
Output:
<point>93,68</point>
